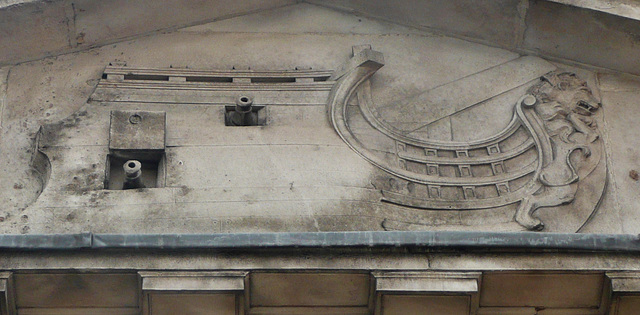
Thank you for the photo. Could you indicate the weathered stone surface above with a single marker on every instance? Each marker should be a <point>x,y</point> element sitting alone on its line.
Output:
<point>496,21</point>
<point>97,22</point>
<point>307,18</point>
<point>582,35</point>
<point>280,152</point>
<point>35,29</point>
<point>297,174</point>
<point>418,111</point>
<point>619,96</point>
<point>625,8</point>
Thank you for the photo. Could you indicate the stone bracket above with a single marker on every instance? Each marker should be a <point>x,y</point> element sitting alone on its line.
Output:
<point>441,282</point>
<point>429,284</point>
<point>171,291</point>
<point>192,281</point>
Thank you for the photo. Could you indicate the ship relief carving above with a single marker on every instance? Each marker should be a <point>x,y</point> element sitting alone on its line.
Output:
<point>547,164</point>
<point>512,147</point>
<point>565,105</point>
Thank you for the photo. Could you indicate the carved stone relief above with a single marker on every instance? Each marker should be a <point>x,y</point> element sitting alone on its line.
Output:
<point>242,150</point>
<point>550,154</point>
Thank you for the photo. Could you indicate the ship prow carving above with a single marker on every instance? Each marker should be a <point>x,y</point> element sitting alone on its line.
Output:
<point>538,160</point>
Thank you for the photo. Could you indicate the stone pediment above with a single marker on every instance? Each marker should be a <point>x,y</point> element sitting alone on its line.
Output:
<point>245,150</point>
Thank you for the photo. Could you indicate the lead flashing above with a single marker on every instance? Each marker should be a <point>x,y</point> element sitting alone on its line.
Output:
<point>376,239</point>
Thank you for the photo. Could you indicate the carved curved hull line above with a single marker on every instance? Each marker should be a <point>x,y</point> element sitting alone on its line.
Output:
<point>365,99</point>
<point>469,204</point>
<point>340,124</point>
<point>338,117</point>
<point>439,175</point>
<point>520,149</point>
<point>531,122</point>
<point>524,116</point>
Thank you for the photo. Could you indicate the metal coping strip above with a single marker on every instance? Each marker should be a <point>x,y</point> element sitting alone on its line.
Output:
<point>375,239</point>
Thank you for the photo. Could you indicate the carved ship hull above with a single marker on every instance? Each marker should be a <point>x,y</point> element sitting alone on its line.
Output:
<point>505,169</point>
<point>496,175</point>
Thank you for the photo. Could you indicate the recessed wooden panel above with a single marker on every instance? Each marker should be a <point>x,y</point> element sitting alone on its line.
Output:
<point>318,289</point>
<point>541,290</point>
<point>628,305</point>
<point>507,311</point>
<point>317,310</point>
<point>79,311</point>
<point>7,299</point>
<point>192,304</point>
<point>425,304</point>
<point>76,290</point>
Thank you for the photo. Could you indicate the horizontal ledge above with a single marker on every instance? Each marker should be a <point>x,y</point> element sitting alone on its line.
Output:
<point>627,9</point>
<point>373,239</point>
<point>293,310</point>
<point>218,73</point>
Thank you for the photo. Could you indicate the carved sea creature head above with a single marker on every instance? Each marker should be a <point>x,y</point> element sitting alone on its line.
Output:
<point>565,88</point>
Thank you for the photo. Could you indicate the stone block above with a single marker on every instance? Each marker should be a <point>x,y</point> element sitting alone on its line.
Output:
<point>137,130</point>
<point>193,281</point>
<point>583,35</point>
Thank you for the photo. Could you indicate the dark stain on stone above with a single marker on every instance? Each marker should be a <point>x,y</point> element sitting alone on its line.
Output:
<point>87,180</point>
<point>633,174</point>
<point>80,38</point>
<point>184,190</point>
<point>51,134</point>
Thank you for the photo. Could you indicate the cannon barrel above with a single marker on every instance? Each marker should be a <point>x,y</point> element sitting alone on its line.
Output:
<point>132,175</point>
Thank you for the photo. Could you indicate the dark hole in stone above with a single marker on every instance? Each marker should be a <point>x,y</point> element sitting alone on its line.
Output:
<point>146,77</point>
<point>210,79</point>
<point>273,80</point>
<point>135,119</point>
<point>256,116</point>
<point>152,171</point>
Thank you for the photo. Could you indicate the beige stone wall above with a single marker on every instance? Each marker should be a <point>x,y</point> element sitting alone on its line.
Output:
<point>598,32</point>
<point>34,29</point>
<point>296,174</point>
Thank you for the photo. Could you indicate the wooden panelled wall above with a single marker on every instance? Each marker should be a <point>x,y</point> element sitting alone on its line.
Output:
<point>319,292</point>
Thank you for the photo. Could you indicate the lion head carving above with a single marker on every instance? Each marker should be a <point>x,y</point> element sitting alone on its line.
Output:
<point>566,104</point>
